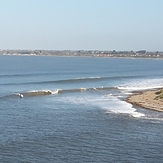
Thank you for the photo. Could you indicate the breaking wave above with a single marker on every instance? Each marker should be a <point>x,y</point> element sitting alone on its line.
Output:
<point>138,85</point>
<point>109,100</point>
<point>57,91</point>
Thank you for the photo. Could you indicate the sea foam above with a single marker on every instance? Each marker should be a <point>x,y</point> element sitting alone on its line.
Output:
<point>143,84</point>
<point>109,103</point>
<point>115,105</point>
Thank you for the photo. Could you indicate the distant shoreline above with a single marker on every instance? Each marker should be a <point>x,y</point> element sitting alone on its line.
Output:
<point>150,99</point>
<point>86,53</point>
<point>129,57</point>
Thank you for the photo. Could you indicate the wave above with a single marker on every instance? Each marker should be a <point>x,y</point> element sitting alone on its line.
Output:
<point>74,80</point>
<point>26,74</point>
<point>19,75</point>
<point>144,84</point>
<point>56,91</point>
<point>107,101</point>
<point>38,93</point>
<point>30,94</point>
<point>87,89</point>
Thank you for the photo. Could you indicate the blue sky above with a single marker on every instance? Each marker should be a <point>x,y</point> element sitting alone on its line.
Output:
<point>81,24</point>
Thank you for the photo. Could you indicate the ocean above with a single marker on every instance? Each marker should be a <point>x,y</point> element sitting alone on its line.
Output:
<point>73,109</point>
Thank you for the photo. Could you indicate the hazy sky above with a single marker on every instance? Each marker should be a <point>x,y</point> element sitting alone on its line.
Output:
<point>81,24</point>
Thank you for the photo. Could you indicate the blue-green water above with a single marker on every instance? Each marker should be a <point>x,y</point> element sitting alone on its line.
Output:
<point>72,109</point>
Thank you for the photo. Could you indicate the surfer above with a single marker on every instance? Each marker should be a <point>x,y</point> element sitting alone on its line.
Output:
<point>20,95</point>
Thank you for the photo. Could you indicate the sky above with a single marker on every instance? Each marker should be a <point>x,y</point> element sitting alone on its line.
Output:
<point>82,24</point>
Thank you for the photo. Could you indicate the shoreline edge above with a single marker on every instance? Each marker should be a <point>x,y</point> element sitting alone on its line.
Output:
<point>148,99</point>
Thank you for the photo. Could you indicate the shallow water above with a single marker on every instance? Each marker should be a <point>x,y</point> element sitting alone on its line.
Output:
<point>73,110</point>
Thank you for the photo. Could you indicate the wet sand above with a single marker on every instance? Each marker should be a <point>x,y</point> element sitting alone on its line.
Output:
<point>151,99</point>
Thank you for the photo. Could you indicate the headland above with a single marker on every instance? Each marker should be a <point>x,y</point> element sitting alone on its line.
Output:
<point>150,99</point>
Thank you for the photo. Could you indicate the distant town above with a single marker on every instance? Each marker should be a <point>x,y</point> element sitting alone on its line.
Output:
<point>85,53</point>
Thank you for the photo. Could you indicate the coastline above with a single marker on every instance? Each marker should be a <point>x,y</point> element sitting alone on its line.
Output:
<point>149,99</point>
<point>83,56</point>
<point>143,54</point>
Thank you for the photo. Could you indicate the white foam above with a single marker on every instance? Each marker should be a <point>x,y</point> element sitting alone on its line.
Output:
<point>44,91</point>
<point>121,107</point>
<point>95,89</point>
<point>109,102</point>
<point>33,91</point>
<point>143,84</point>
<point>96,77</point>
<point>55,91</point>
<point>83,89</point>
<point>137,114</point>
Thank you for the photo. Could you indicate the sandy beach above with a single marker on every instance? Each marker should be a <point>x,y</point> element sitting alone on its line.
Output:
<point>151,99</point>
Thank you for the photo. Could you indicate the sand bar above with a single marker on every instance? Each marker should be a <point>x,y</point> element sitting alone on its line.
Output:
<point>151,99</point>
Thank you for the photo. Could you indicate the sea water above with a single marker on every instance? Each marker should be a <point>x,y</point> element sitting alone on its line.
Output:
<point>73,109</point>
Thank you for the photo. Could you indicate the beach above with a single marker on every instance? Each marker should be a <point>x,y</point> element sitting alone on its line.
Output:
<point>150,99</point>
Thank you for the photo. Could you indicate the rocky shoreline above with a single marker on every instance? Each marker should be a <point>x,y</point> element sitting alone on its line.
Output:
<point>151,99</point>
